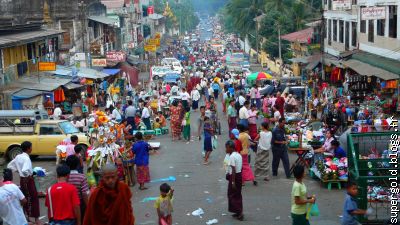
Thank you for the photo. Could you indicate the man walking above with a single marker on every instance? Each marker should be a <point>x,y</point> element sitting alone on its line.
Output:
<point>244,114</point>
<point>62,200</point>
<point>11,199</point>
<point>146,116</point>
<point>130,113</point>
<point>279,149</point>
<point>23,165</point>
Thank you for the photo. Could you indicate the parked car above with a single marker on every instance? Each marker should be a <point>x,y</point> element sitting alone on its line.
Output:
<point>45,136</point>
<point>159,72</point>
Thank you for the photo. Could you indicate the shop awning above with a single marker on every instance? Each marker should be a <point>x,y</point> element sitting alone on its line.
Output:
<point>369,70</point>
<point>91,73</point>
<point>383,63</point>
<point>111,71</point>
<point>26,94</point>
<point>20,38</point>
<point>105,20</point>
<point>71,86</point>
<point>298,60</point>
<point>312,65</point>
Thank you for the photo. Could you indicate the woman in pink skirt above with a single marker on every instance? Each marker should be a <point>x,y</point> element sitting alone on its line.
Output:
<point>244,138</point>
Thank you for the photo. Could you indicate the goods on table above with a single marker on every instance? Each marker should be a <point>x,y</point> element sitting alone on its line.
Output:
<point>332,169</point>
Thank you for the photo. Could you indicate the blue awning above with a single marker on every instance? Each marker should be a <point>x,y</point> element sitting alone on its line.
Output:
<point>26,94</point>
<point>111,71</point>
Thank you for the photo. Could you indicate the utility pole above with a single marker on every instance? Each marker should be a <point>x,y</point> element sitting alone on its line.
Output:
<point>82,7</point>
<point>280,49</point>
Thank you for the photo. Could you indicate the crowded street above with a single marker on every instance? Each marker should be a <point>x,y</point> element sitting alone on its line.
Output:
<point>189,113</point>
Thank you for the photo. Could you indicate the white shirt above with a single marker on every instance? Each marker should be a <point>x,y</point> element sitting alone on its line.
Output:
<point>210,91</point>
<point>235,159</point>
<point>243,113</point>
<point>265,140</point>
<point>21,164</point>
<point>253,93</point>
<point>145,113</point>
<point>241,100</point>
<point>174,89</point>
<point>116,114</point>
<point>195,95</point>
<point>11,211</point>
<point>57,113</point>
<point>277,115</point>
<point>184,96</point>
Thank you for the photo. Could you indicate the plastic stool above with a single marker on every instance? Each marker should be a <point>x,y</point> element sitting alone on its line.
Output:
<point>165,130</point>
<point>158,132</point>
<point>339,185</point>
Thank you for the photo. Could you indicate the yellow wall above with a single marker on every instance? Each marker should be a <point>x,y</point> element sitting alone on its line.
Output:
<point>296,69</point>
<point>263,58</point>
<point>15,55</point>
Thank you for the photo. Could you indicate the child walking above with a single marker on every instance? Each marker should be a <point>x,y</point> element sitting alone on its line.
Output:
<point>163,204</point>
<point>350,209</point>
<point>208,133</point>
<point>186,127</point>
<point>299,198</point>
<point>141,150</point>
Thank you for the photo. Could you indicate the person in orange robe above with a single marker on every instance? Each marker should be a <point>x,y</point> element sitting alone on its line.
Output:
<point>110,203</point>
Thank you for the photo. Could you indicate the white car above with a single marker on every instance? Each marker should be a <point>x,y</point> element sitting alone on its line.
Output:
<point>172,63</point>
<point>160,71</point>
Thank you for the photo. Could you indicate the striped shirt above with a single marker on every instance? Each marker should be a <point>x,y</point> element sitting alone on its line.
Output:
<point>80,182</point>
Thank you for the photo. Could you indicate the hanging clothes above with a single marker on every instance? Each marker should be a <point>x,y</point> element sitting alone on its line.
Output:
<point>59,95</point>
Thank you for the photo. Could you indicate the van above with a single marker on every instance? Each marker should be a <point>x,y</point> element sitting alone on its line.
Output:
<point>172,62</point>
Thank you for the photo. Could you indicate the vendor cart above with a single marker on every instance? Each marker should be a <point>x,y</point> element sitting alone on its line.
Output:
<point>372,169</point>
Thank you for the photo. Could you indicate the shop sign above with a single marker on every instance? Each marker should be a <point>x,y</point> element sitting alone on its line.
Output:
<point>99,62</point>
<point>150,48</point>
<point>80,56</point>
<point>373,13</point>
<point>47,66</point>
<point>158,36</point>
<point>154,41</point>
<point>116,56</point>
<point>150,10</point>
<point>341,4</point>
<point>131,45</point>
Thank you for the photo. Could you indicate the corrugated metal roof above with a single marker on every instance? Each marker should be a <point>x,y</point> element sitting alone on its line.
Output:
<point>20,38</point>
<point>390,65</point>
<point>301,36</point>
<point>71,86</point>
<point>26,93</point>
<point>45,83</point>
<point>105,20</point>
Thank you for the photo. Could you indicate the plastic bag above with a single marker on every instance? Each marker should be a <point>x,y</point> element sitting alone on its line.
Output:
<point>215,142</point>
<point>313,210</point>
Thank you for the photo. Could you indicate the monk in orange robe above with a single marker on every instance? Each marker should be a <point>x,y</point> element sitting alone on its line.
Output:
<point>110,203</point>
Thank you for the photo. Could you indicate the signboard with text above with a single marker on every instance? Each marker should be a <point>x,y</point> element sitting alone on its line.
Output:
<point>373,13</point>
<point>150,10</point>
<point>341,4</point>
<point>154,42</point>
<point>47,66</point>
<point>80,56</point>
<point>116,56</point>
<point>150,48</point>
<point>99,62</point>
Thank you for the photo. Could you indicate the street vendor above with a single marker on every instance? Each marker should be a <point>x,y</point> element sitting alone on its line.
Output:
<point>327,146</point>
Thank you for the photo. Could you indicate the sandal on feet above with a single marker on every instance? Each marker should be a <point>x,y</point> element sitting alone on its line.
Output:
<point>240,217</point>
<point>255,183</point>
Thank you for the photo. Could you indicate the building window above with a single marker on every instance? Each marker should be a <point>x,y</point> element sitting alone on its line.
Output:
<point>341,31</point>
<point>354,34</point>
<point>329,32</point>
<point>363,26</point>
<point>334,30</point>
<point>380,26</point>
<point>393,21</point>
<point>371,30</point>
<point>329,4</point>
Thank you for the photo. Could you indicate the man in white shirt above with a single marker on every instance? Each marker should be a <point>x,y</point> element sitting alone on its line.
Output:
<point>146,116</point>
<point>175,89</point>
<point>11,199</point>
<point>277,115</point>
<point>195,95</point>
<point>234,176</point>
<point>116,114</point>
<point>23,165</point>
<point>185,98</point>
<point>57,113</point>
<point>244,114</point>
<point>241,99</point>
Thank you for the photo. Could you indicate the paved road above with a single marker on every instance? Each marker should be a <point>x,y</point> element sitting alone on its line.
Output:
<point>199,186</point>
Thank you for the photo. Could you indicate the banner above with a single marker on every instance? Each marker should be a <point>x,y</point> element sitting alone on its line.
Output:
<point>99,62</point>
<point>341,4</point>
<point>150,48</point>
<point>47,66</point>
<point>373,13</point>
<point>158,36</point>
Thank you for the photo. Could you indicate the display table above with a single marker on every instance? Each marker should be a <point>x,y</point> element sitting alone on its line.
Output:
<point>301,153</point>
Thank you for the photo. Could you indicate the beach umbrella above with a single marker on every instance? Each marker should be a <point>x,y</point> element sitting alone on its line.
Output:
<point>252,76</point>
<point>263,75</point>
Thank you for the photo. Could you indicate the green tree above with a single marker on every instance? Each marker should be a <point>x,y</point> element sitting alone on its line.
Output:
<point>243,13</point>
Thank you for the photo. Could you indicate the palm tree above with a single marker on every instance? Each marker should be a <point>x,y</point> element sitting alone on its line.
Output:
<point>300,13</point>
<point>244,12</point>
